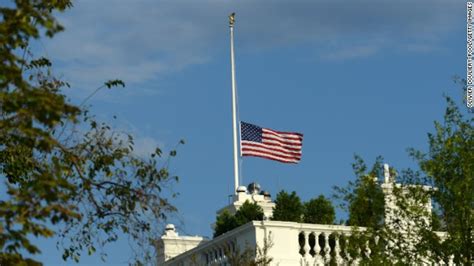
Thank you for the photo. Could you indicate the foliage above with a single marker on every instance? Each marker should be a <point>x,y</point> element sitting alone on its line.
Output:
<point>21,22</point>
<point>262,258</point>
<point>239,257</point>
<point>249,212</point>
<point>65,173</point>
<point>251,257</point>
<point>225,221</point>
<point>319,211</point>
<point>408,235</point>
<point>364,198</point>
<point>288,207</point>
<point>449,166</point>
<point>402,237</point>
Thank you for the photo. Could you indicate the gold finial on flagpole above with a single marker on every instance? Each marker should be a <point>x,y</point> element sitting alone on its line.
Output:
<point>231,19</point>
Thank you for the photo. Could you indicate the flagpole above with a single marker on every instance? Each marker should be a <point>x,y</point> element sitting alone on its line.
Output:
<point>234,103</point>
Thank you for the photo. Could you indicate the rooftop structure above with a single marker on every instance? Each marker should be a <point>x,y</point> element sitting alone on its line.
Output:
<point>289,243</point>
<point>253,194</point>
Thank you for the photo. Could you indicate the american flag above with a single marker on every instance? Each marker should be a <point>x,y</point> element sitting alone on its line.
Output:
<point>270,144</point>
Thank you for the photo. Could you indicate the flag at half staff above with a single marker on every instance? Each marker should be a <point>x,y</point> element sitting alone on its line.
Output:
<point>270,144</point>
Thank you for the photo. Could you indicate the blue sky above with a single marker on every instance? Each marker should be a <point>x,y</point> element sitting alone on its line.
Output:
<point>363,77</point>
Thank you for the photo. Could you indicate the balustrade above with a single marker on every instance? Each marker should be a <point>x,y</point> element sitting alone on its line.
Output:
<point>293,244</point>
<point>323,247</point>
<point>217,255</point>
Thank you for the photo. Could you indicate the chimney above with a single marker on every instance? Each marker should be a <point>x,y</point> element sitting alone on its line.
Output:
<point>386,173</point>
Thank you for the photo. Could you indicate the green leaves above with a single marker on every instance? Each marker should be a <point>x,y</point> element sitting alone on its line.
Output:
<point>409,230</point>
<point>249,212</point>
<point>288,207</point>
<point>114,83</point>
<point>319,211</point>
<point>364,198</point>
<point>225,221</point>
<point>38,63</point>
<point>83,178</point>
<point>449,165</point>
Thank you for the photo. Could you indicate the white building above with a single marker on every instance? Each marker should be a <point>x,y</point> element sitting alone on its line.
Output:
<point>290,243</point>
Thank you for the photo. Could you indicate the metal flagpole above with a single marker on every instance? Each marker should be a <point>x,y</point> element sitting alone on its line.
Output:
<point>234,103</point>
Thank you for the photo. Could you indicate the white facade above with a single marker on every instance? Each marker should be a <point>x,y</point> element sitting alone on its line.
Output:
<point>254,196</point>
<point>171,244</point>
<point>291,243</point>
<point>285,248</point>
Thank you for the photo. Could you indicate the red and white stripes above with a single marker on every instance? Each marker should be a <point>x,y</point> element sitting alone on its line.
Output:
<point>280,146</point>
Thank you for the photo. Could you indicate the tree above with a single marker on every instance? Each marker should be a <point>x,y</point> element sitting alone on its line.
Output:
<point>85,186</point>
<point>251,257</point>
<point>364,198</point>
<point>449,166</point>
<point>395,217</point>
<point>408,230</point>
<point>249,212</point>
<point>225,221</point>
<point>288,207</point>
<point>319,211</point>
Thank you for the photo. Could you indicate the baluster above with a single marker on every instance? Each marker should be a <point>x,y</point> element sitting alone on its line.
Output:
<point>216,256</point>
<point>441,262</point>
<point>230,246</point>
<point>451,260</point>
<point>357,258</point>
<point>327,248</point>
<point>337,251</point>
<point>317,250</point>
<point>367,250</point>
<point>429,258</point>
<point>223,256</point>
<point>216,253</point>
<point>211,257</point>
<point>303,262</point>
<point>306,245</point>
<point>376,238</point>
<point>234,246</point>
<point>348,254</point>
<point>222,253</point>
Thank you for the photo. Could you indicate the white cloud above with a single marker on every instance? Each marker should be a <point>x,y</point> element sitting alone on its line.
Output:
<point>144,146</point>
<point>140,41</point>
<point>144,141</point>
<point>351,52</point>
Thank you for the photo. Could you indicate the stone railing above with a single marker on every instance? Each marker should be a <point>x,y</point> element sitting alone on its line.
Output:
<point>323,244</point>
<point>328,245</point>
<point>215,252</point>
<point>289,244</point>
